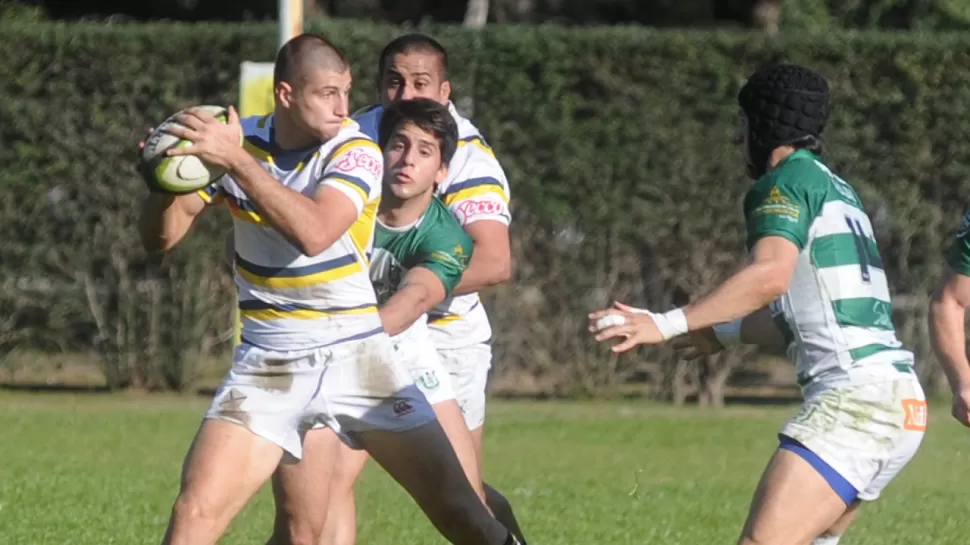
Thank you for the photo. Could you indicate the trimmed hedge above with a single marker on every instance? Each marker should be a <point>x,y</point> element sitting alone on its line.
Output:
<point>617,143</point>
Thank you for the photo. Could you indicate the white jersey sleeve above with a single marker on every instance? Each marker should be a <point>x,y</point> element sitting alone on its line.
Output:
<point>476,188</point>
<point>356,168</point>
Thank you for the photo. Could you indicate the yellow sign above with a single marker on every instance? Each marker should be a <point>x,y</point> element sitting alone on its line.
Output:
<point>255,88</point>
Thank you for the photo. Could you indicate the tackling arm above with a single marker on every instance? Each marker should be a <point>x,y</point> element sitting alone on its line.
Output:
<point>946,322</point>
<point>420,291</point>
<point>491,262</point>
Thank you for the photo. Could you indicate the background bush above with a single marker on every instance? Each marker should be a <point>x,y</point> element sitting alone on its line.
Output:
<point>617,143</point>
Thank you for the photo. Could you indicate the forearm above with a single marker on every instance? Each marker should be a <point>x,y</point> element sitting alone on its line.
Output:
<point>293,214</point>
<point>405,307</point>
<point>483,271</point>
<point>744,293</point>
<point>163,222</point>
<point>948,337</point>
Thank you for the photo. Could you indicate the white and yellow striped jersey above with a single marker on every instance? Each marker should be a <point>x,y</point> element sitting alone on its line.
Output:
<point>288,300</point>
<point>476,189</point>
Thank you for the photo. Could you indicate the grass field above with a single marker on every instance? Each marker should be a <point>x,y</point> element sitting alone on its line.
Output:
<point>93,469</point>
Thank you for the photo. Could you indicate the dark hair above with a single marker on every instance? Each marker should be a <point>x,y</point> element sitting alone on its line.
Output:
<point>811,143</point>
<point>427,115</point>
<point>414,42</point>
<point>303,50</point>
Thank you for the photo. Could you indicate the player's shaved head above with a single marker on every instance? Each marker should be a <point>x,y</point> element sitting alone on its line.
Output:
<point>304,54</point>
<point>414,43</point>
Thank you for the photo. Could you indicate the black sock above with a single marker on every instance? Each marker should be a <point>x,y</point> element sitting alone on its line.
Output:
<point>511,540</point>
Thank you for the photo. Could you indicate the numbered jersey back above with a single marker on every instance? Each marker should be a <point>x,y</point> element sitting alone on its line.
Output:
<point>838,309</point>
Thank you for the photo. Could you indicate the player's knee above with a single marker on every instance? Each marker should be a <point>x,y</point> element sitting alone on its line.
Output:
<point>193,509</point>
<point>295,534</point>
<point>292,529</point>
<point>465,513</point>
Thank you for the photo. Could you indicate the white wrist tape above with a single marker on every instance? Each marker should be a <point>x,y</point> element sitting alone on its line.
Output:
<point>672,323</point>
<point>728,334</point>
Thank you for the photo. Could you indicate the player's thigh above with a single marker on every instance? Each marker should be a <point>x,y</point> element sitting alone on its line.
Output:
<point>910,397</point>
<point>469,367</point>
<point>224,467</point>
<point>254,416</point>
<point>374,403</point>
<point>859,433</point>
<point>301,488</point>
<point>792,504</point>
<point>268,393</point>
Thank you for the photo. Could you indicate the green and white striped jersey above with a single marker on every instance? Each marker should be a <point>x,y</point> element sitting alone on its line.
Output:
<point>837,310</point>
<point>959,255</point>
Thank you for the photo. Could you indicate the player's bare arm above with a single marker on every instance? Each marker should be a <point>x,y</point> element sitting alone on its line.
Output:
<point>764,279</point>
<point>420,291</point>
<point>948,335</point>
<point>166,219</point>
<point>491,262</point>
<point>311,224</point>
<point>758,328</point>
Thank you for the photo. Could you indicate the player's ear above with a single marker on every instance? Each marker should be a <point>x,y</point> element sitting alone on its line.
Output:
<point>284,94</point>
<point>445,91</point>
<point>441,174</point>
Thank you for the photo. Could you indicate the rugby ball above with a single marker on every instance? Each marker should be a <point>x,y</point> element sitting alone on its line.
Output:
<point>180,174</point>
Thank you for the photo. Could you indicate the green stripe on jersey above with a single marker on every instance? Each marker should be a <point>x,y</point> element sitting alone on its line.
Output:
<point>864,312</point>
<point>868,350</point>
<point>845,249</point>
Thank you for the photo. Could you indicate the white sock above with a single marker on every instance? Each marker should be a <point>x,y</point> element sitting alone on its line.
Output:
<point>827,539</point>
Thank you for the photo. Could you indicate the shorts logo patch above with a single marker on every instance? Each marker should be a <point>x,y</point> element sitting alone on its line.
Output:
<point>429,380</point>
<point>916,415</point>
<point>402,408</point>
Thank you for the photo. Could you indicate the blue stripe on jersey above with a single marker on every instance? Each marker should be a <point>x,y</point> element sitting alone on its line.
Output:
<point>291,272</point>
<point>472,182</point>
<point>353,180</point>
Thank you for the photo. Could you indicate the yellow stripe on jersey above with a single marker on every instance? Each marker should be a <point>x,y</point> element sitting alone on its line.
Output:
<point>299,277</point>
<point>244,210</point>
<point>362,230</point>
<point>211,194</point>
<point>249,144</point>
<point>443,319</point>
<point>259,310</point>
<point>477,142</point>
<point>474,187</point>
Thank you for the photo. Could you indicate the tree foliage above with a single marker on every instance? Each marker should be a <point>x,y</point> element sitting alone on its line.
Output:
<point>617,143</point>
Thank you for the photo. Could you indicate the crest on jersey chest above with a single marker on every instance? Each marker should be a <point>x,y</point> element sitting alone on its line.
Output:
<point>386,273</point>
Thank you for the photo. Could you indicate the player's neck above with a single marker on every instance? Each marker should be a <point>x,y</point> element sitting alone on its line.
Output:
<point>397,212</point>
<point>286,136</point>
<point>778,155</point>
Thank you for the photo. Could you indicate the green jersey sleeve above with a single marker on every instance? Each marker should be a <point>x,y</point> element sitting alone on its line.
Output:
<point>784,203</point>
<point>959,257</point>
<point>445,251</point>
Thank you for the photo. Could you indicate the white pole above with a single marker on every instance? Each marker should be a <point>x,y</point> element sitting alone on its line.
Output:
<point>291,20</point>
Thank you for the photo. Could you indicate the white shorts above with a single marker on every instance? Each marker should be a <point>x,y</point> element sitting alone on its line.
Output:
<point>424,364</point>
<point>468,368</point>
<point>350,387</point>
<point>859,437</point>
